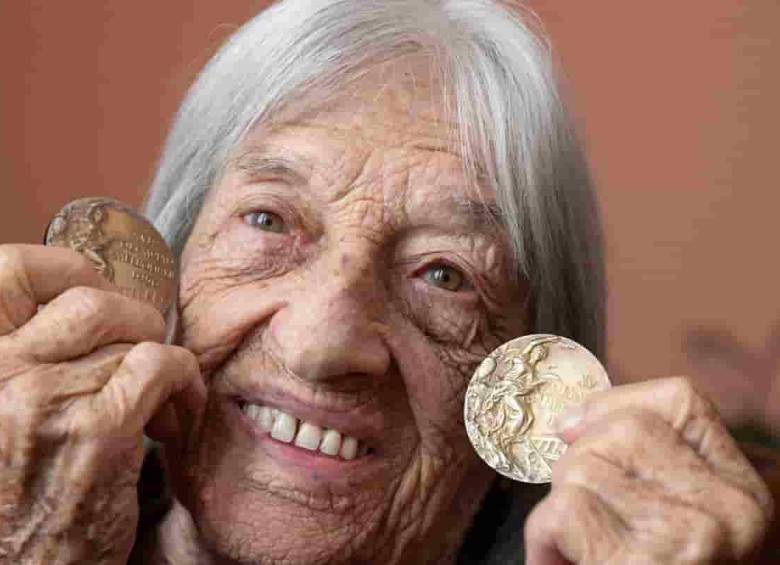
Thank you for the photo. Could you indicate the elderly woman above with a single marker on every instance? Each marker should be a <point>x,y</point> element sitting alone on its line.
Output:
<point>366,197</point>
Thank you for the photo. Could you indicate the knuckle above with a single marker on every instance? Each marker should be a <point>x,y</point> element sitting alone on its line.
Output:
<point>683,390</point>
<point>152,357</point>
<point>703,540</point>
<point>184,358</point>
<point>544,520</point>
<point>576,468</point>
<point>571,498</point>
<point>147,356</point>
<point>690,399</point>
<point>10,258</point>
<point>85,304</point>
<point>750,524</point>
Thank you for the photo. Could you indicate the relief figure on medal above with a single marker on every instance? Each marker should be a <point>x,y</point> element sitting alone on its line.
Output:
<point>120,244</point>
<point>83,233</point>
<point>507,413</point>
<point>514,399</point>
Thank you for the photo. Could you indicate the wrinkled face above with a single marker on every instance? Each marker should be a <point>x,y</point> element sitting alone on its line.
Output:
<point>340,286</point>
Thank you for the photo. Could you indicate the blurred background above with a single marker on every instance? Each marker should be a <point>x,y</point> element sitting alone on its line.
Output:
<point>676,102</point>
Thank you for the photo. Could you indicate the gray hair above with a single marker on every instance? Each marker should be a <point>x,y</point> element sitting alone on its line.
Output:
<point>515,134</point>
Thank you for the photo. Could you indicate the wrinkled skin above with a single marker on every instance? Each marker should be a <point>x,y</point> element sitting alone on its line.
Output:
<point>335,310</point>
<point>80,378</point>
<point>651,476</point>
<point>335,318</point>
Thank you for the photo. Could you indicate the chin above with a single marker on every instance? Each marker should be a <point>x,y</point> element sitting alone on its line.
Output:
<point>256,498</point>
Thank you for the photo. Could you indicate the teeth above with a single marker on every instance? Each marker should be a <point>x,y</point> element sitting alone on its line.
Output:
<point>252,410</point>
<point>285,428</point>
<point>348,448</point>
<point>265,419</point>
<point>331,442</point>
<point>309,436</point>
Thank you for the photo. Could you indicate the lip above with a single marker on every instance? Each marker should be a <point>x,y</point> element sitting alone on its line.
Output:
<point>364,421</point>
<point>319,467</point>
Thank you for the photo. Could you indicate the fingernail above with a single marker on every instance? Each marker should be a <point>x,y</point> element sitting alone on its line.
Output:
<point>569,419</point>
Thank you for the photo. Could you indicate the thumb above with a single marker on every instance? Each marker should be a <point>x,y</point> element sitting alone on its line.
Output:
<point>178,420</point>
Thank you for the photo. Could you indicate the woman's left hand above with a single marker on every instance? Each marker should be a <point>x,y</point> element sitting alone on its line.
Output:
<point>651,476</point>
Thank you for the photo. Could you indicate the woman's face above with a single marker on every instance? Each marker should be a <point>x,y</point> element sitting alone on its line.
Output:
<point>343,273</point>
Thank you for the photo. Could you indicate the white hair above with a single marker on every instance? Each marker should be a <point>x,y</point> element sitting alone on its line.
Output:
<point>514,131</point>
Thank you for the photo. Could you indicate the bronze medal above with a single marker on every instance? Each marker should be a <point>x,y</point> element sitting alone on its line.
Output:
<point>121,244</point>
<point>516,394</point>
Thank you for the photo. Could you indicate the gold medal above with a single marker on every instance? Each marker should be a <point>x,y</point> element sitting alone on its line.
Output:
<point>121,244</point>
<point>516,394</point>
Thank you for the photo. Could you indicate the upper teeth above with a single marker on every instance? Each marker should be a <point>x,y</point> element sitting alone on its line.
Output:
<point>286,428</point>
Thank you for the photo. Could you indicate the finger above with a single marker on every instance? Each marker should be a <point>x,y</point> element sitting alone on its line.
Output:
<point>164,427</point>
<point>181,417</point>
<point>177,423</point>
<point>692,416</point>
<point>149,376</point>
<point>641,445</point>
<point>673,399</point>
<point>576,525</point>
<point>572,524</point>
<point>34,274</point>
<point>82,319</point>
<point>640,467</point>
<point>50,390</point>
<point>68,381</point>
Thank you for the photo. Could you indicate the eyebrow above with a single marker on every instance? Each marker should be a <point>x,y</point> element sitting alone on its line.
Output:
<point>264,161</point>
<point>481,213</point>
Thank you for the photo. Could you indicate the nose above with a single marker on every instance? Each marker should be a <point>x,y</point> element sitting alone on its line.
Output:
<point>330,326</point>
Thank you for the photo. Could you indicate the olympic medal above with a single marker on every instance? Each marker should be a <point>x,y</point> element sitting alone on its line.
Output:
<point>121,244</point>
<point>515,396</point>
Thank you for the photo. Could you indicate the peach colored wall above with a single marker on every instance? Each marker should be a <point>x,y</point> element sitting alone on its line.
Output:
<point>676,102</point>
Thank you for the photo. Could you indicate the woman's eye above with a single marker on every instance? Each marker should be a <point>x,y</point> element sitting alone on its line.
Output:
<point>267,221</point>
<point>444,276</point>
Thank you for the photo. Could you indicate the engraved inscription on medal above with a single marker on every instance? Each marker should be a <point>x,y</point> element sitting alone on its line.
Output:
<point>515,396</point>
<point>121,245</point>
<point>150,268</point>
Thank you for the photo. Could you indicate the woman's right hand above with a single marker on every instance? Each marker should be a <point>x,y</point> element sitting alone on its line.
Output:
<point>82,373</point>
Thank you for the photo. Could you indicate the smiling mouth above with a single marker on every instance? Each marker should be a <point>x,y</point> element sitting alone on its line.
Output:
<point>287,428</point>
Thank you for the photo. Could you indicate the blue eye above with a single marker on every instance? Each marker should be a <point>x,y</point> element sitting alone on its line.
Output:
<point>444,276</point>
<point>266,221</point>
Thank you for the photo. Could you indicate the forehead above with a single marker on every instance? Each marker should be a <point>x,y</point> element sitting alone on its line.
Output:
<point>387,134</point>
<point>392,102</point>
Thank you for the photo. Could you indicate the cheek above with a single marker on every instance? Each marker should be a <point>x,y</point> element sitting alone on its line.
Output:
<point>443,345</point>
<point>443,317</point>
<point>222,298</point>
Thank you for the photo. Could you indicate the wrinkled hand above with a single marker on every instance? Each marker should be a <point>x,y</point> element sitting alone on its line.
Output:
<point>80,378</point>
<point>651,476</point>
